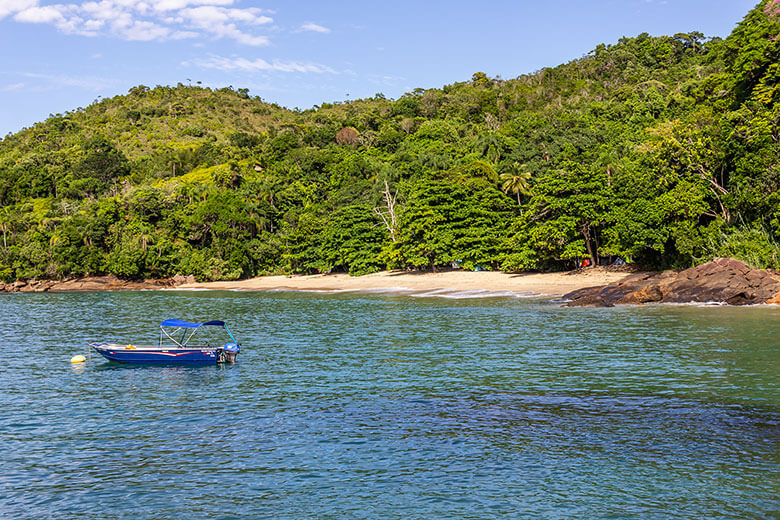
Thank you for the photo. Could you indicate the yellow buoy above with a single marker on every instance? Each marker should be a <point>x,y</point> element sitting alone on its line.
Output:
<point>78,359</point>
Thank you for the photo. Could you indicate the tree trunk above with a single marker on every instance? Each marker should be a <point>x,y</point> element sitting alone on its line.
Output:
<point>585,232</point>
<point>389,217</point>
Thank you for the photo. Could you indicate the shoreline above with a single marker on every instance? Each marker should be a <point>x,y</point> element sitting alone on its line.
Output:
<point>723,280</point>
<point>480,283</point>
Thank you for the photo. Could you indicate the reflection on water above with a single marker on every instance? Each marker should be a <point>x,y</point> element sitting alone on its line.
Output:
<point>387,406</point>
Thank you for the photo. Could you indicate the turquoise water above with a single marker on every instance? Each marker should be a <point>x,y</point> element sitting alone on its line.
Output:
<point>382,406</point>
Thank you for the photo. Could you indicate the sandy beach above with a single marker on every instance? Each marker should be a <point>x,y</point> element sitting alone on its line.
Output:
<point>478,283</point>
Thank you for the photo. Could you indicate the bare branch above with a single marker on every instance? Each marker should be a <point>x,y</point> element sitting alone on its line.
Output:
<point>389,216</point>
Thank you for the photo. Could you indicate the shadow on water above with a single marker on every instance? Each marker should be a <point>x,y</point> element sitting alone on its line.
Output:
<point>649,423</point>
<point>195,368</point>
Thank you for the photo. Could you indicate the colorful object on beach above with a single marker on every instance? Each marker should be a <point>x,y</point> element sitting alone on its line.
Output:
<point>179,348</point>
<point>78,359</point>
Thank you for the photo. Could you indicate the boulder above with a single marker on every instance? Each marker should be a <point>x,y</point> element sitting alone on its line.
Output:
<point>93,283</point>
<point>647,294</point>
<point>90,283</point>
<point>724,280</point>
<point>180,279</point>
<point>45,285</point>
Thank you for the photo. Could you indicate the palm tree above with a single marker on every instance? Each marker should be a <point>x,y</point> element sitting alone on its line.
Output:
<point>516,180</point>
<point>490,144</point>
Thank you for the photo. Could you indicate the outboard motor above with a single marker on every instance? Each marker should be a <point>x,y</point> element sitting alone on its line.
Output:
<point>227,353</point>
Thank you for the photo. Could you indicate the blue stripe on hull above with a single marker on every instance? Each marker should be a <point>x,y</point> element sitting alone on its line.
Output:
<point>178,357</point>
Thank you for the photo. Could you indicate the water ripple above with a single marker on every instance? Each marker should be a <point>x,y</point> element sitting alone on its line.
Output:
<point>388,406</point>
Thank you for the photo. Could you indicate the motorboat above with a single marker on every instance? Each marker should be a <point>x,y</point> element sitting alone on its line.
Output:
<point>179,344</point>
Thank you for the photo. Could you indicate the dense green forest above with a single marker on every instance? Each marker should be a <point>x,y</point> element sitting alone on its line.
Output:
<point>660,150</point>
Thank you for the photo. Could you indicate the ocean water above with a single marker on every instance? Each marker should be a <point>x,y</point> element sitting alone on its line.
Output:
<point>353,406</point>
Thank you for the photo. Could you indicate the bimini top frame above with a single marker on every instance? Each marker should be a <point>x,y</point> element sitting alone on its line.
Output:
<point>187,330</point>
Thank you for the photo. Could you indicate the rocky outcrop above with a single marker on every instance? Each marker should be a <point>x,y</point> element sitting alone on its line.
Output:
<point>94,283</point>
<point>179,279</point>
<point>724,280</point>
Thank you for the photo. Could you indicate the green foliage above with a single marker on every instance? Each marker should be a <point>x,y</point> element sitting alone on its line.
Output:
<point>102,161</point>
<point>352,241</point>
<point>662,150</point>
<point>753,245</point>
<point>752,51</point>
<point>444,222</point>
<point>565,220</point>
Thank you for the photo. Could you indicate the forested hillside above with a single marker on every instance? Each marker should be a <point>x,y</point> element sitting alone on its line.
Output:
<point>660,150</point>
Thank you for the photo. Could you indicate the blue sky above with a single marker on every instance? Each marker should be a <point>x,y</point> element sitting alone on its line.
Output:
<point>57,56</point>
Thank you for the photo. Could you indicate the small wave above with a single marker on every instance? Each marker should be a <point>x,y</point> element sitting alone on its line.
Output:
<point>433,292</point>
<point>383,290</point>
<point>455,294</point>
<point>691,304</point>
<point>327,291</point>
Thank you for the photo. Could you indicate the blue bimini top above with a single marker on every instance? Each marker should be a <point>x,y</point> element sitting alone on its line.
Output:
<point>186,324</point>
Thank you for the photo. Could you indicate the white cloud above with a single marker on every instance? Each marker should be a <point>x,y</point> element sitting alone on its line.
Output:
<point>309,26</point>
<point>44,82</point>
<point>246,39</point>
<point>94,25</point>
<point>14,6</point>
<point>210,14</point>
<point>221,22</point>
<point>158,20</point>
<point>173,5</point>
<point>183,35</point>
<point>104,10</point>
<point>237,63</point>
<point>46,14</point>
<point>61,16</point>
<point>145,31</point>
<point>12,87</point>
